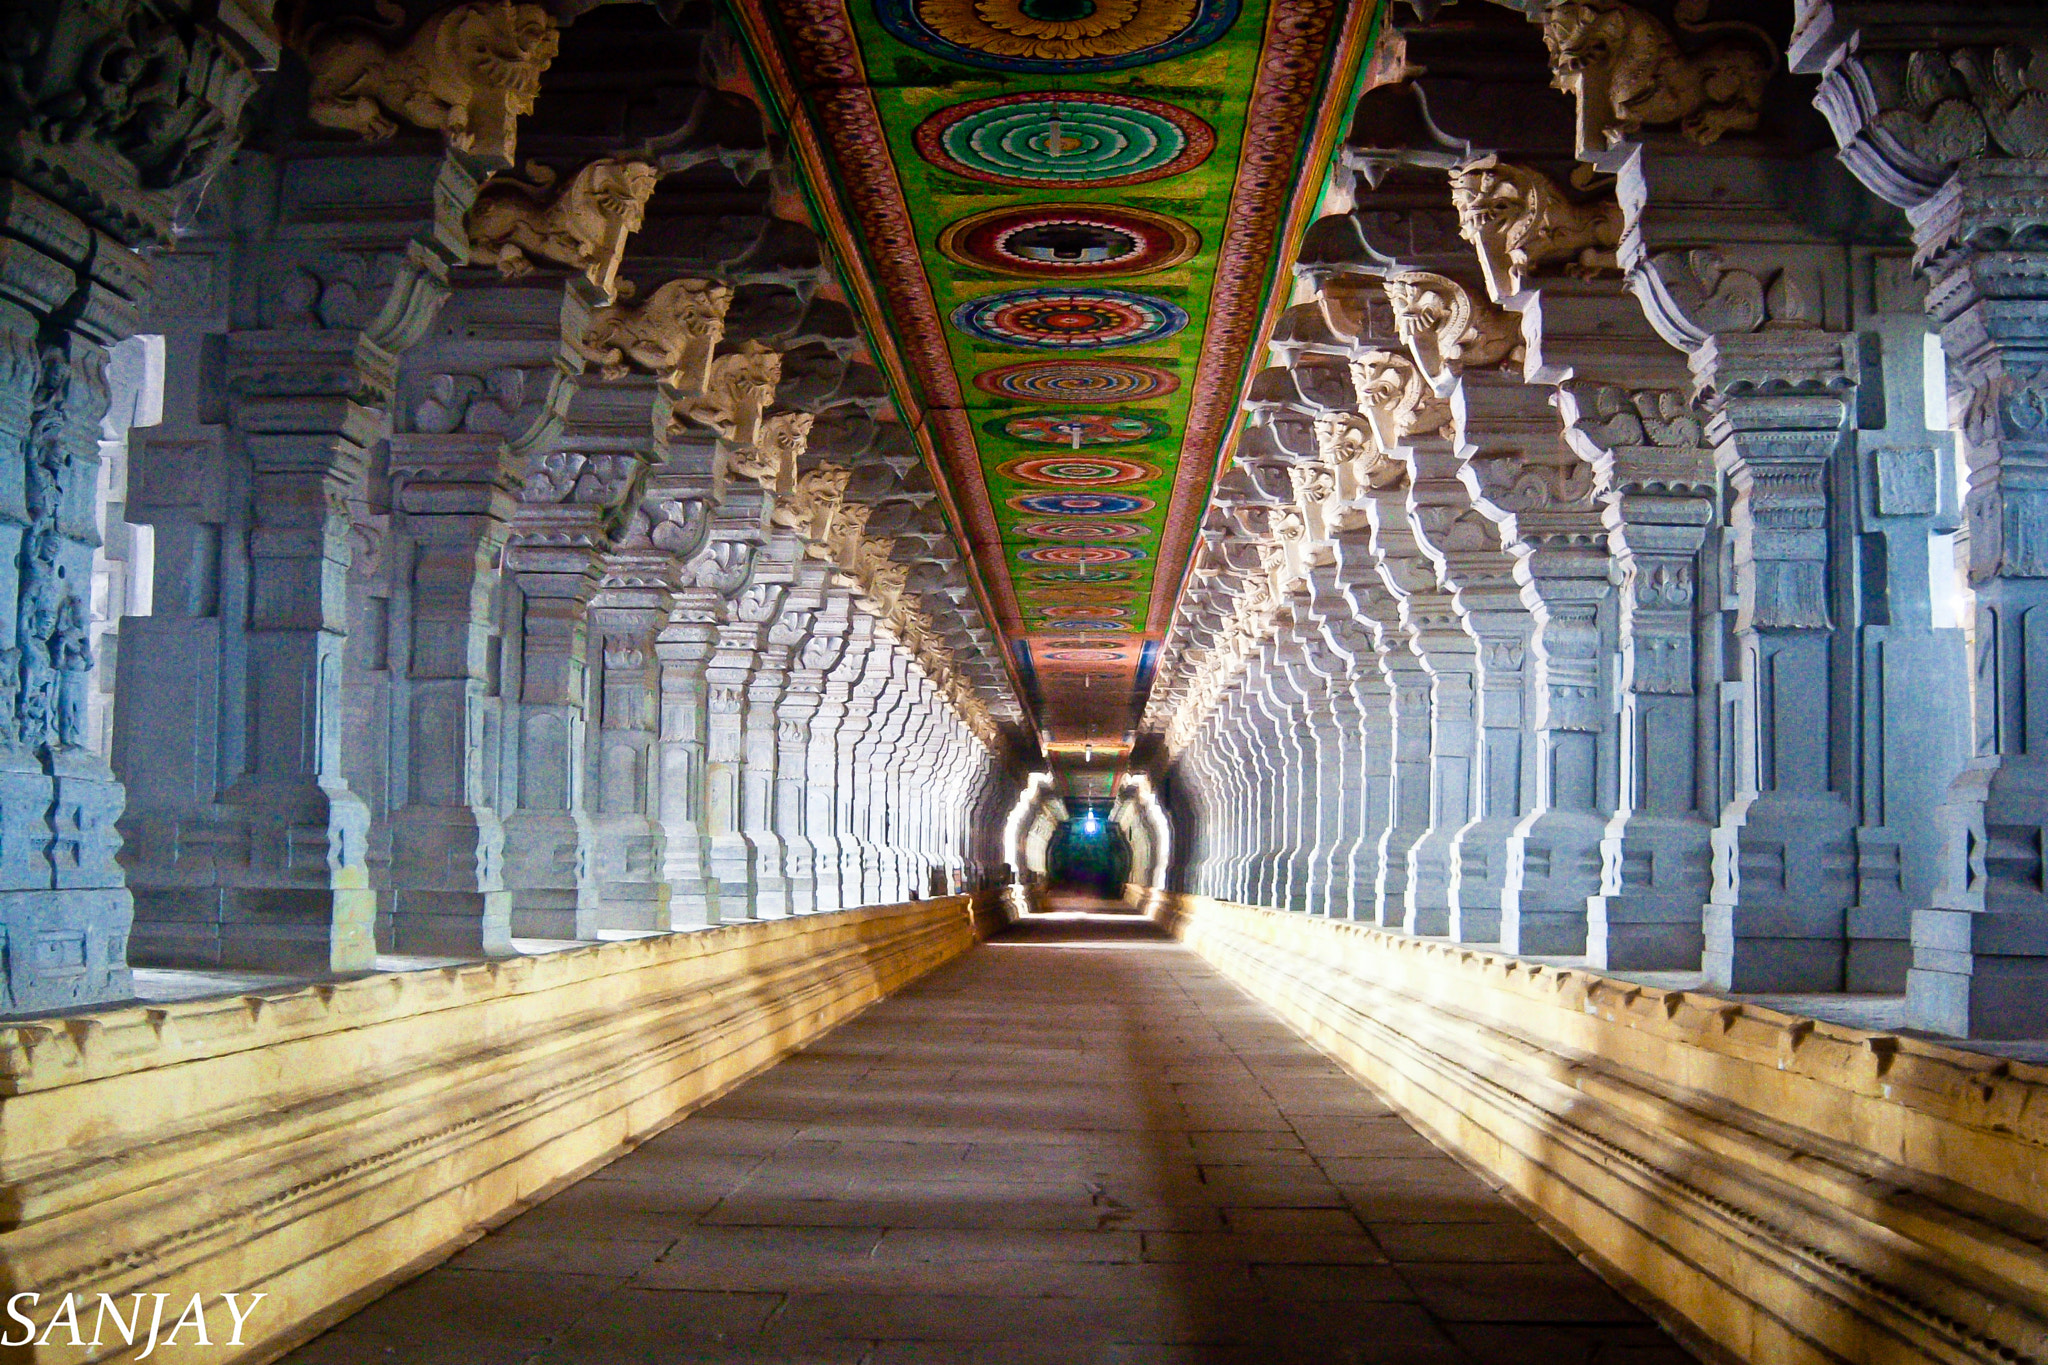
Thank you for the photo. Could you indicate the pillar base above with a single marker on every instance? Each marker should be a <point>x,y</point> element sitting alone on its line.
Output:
<point>451,924</point>
<point>1656,874</point>
<point>1979,975</point>
<point>278,930</point>
<point>547,872</point>
<point>65,948</point>
<point>1553,869</point>
<point>1390,900</point>
<point>1432,865</point>
<point>1784,878</point>
<point>1482,864</point>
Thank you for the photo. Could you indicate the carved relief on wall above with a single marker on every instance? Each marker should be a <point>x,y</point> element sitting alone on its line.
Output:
<point>1520,222</point>
<point>583,224</point>
<point>671,334</point>
<point>1625,69</point>
<point>1906,120</point>
<point>469,73</point>
<point>1689,296</point>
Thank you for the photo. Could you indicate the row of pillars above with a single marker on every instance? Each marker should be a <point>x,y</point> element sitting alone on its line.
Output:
<point>1594,578</point>
<point>491,597</point>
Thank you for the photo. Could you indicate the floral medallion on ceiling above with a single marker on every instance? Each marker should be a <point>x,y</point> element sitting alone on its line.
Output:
<point>1079,471</point>
<point>1069,240</point>
<point>1065,137</point>
<point>1082,504</point>
<point>1063,36</point>
<point>1077,429</point>
<point>1091,381</point>
<point>1069,319</point>
<point>1063,222</point>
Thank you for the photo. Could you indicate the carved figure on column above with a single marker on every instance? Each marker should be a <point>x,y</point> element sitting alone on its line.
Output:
<point>1445,328</point>
<point>670,334</point>
<point>1520,222</point>
<point>1626,70</point>
<point>469,72</point>
<point>740,388</point>
<point>584,224</point>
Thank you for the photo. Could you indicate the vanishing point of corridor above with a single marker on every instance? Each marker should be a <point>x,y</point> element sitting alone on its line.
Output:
<point>1078,1143</point>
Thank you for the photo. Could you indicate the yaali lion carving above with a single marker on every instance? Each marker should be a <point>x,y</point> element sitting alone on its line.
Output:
<point>671,334</point>
<point>469,73</point>
<point>1519,221</point>
<point>585,225</point>
<point>1446,328</point>
<point>1625,70</point>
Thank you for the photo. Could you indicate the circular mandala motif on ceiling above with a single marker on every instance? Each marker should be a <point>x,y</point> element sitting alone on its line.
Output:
<point>1080,554</point>
<point>1082,575</point>
<point>1075,656</point>
<point>1067,592</point>
<point>1069,240</point>
<point>1069,319</point>
<point>1077,430</point>
<point>1090,613</point>
<point>1078,381</point>
<point>1079,471</point>
<point>1107,648</point>
<point>1081,530</point>
<point>1065,138</point>
<point>1095,625</point>
<point>1056,35</point>
<point>1082,504</point>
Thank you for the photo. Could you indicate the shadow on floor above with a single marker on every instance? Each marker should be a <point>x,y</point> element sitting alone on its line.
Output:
<point>1054,1151</point>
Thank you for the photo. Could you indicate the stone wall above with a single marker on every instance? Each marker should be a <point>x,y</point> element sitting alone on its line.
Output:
<point>1787,1190</point>
<point>316,1145</point>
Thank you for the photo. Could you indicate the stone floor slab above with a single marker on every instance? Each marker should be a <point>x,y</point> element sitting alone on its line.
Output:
<point>1078,1146</point>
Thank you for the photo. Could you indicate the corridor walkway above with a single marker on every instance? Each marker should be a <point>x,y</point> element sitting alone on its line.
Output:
<point>1077,1144</point>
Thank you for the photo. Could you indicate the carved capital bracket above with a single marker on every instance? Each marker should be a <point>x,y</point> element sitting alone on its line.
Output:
<point>670,334</point>
<point>1626,70</point>
<point>1521,222</point>
<point>583,223</point>
<point>469,72</point>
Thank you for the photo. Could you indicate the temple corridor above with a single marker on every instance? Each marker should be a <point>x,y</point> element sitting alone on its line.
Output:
<point>1078,1144</point>
<point>585,584</point>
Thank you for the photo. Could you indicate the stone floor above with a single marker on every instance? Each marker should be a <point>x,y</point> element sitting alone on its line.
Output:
<point>1077,1144</point>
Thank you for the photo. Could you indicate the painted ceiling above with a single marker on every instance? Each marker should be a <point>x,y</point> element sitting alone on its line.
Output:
<point>1065,223</point>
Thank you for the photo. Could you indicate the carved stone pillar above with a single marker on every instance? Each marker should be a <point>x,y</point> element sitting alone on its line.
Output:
<point>1323,680</point>
<point>549,837</point>
<point>251,849</point>
<point>803,793</point>
<point>824,771</point>
<point>1359,637</point>
<point>686,646</point>
<point>1784,853</point>
<point>1655,483</point>
<point>570,500</point>
<point>856,787</point>
<point>625,617</point>
<point>471,415</point>
<point>785,638</point>
<point>1928,117</point>
<point>1414,529</point>
<point>1334,655</point>
<point>1282,704</point>
<point>742,639</point>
